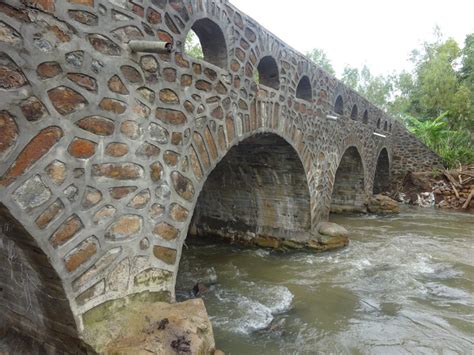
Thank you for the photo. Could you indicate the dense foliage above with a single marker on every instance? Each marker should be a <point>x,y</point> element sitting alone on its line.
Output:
<point>435,100</point>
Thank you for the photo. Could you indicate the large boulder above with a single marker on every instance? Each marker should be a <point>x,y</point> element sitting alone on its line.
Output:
<point>154,328</point>
<point>381,204</point>
<point>330,236</point>
<point>330,229</point>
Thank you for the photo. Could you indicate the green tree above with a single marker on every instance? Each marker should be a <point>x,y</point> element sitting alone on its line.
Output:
<point>319,57</point>
<point>192,46</point>
<point>377,89</point>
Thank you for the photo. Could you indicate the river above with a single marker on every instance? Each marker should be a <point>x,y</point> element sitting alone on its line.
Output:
<point>403,285</point>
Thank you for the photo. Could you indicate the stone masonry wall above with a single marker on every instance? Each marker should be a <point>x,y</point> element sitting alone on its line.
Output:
<point>103,152</point>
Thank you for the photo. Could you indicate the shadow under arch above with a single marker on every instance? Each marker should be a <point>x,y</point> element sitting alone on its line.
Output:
<point>259,188</point>
<point>382,173</point>
<point>35,313</point>
<point>348,194</point>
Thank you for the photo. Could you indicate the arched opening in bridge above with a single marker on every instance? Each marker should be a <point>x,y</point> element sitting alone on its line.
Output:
<point>365,117</point>
<point>256,193</point>
<point>304,91</point>
<point>354,112</point>
<point>382,173</point>
<point>258,189</point>
<point>268,73</point>
<point>339,106</point>
<point>385,126</point>
<point>348,190</point>
<point>379,122</point>
<point>35,315</point>
<point>205,40</point>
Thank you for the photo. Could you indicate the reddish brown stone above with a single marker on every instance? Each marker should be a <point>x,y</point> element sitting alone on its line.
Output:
<point>137,9</point>
<point>181,62</point>
<point>118,171</point>
<point>19,14</point>
<point>116,85</point>
<point>195,165</point>
<point>178,213</point>
<point>204,85</point>
<point>81,148</point>
<point>43,5</point>
<point>116,149</point>
<point>169,96</point>
<point>80,255</point>
<point>164,36</point>
<point>56,172</point>
<point>176,138</point>
<point>113,105</point>
<point>97,125</point>
<point>210,143</point>
<point>221,139</point>
<point>33,109</point>
<point>153,17</point>
<point>170,116</point>
<point>49,214</point>
<point>165,254</point>
<point>91,197</point>
<point>60,34</point>
<point>120,192</point>
<point>131,74</point>
<point>218,113</point>
<point>229,122</point>
<point>140,200</point>
<point>197,68</point>
<point>66,100</point>
<point>33,152</point>
<point>186,80</point>
<point>8,132</point>
<point>131,129</point>
<point>83,2</point>
<point>201,150</point>
<point>234,65</point>
<point>183,186</point>
<point>84,17</point>
<point>148,150</point>
<point>104,45</point>
<point>169,74</point>
<point>11,77</point>
<point>188,105</point>
<point>171,158</point>
<point>126,226</point>
<point>48,70</point>
<point>156,171</point>
<point>83,80</point>
<point>66,231</point>
<point>166,231</point>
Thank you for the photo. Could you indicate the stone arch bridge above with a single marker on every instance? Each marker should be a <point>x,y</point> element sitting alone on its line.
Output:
<point>105,153</point>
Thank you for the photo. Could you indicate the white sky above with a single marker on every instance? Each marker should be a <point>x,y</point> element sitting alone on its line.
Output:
<point>379,33</point>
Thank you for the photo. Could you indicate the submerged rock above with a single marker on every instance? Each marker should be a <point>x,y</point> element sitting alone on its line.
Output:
<point>381,204</point>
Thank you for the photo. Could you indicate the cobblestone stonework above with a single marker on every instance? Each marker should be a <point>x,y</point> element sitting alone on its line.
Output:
<point>104,152</point>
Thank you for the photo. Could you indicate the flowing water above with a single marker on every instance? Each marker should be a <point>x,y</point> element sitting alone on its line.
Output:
<point>403,285</point>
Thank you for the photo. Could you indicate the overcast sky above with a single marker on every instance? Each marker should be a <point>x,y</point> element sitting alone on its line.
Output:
<point>379,33</point>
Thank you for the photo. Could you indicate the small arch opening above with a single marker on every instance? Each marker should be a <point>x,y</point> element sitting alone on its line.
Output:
<point>304,90</point>
<point>206,41</point>
<point>268,74</point>
<point>365,118</point>
<point>379,122</point>
<point>385,126</point>
<point>339,106</point>
<point>354,113</point>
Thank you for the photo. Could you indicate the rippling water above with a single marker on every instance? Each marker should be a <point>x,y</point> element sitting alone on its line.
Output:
<point>404,285</point>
